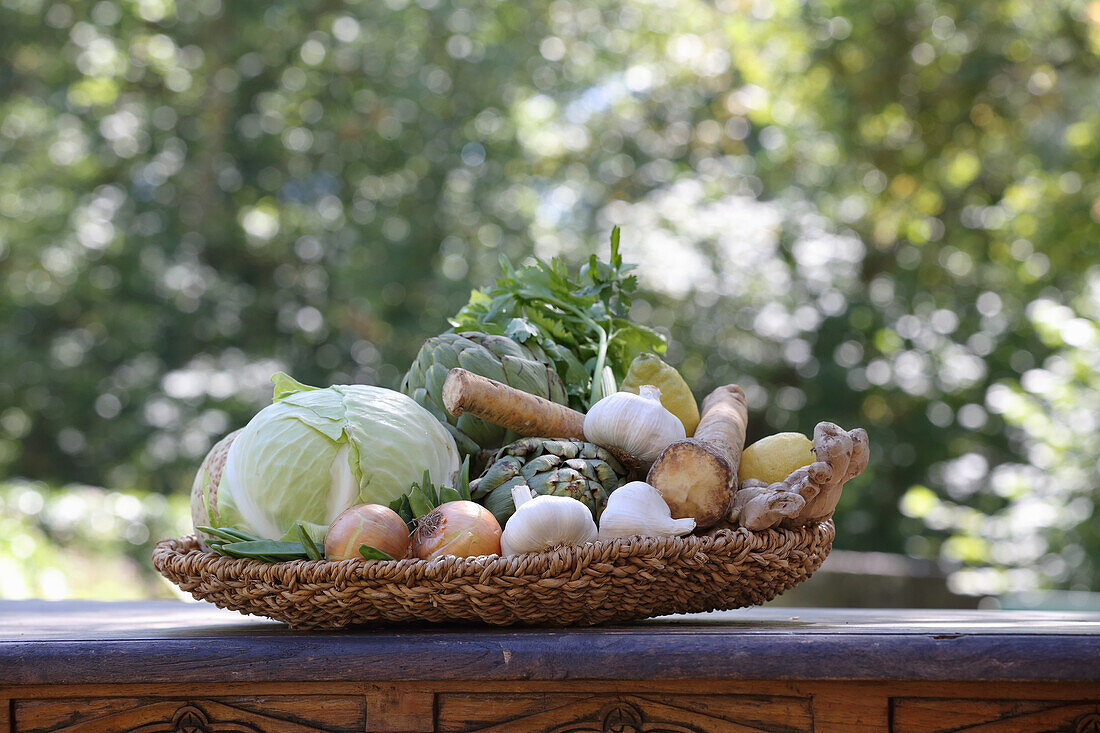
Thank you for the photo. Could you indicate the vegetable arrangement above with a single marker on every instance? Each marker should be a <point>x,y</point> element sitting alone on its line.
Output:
<point>526,392</point>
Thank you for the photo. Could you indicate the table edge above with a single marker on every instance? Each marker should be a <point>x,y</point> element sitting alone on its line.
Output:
<point>565,657</point>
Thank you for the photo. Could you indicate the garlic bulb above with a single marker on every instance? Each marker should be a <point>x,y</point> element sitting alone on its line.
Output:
<point>636,423</point>
<point>638,509</point>
<point>545,522</point>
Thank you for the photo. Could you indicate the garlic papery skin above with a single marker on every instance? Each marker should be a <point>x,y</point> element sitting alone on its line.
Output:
<point>544,522</point>
<point>635,423</point>
<point>638,509</point>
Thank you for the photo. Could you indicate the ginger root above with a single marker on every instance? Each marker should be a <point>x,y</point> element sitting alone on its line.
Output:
<point>756,505</point>
<point>808,494</point>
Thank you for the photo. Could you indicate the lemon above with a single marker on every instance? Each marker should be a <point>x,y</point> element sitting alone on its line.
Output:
<point>773,458</point>
<point>675,394</point>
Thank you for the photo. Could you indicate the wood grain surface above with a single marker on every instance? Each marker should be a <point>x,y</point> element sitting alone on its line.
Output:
<point>554,707</point>
<point>527,712</point>
<point>290,713</point>
<point>65,643</point>
<point>163,667</point>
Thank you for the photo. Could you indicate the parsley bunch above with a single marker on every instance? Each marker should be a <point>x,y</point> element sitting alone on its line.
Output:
<point>582,324</point>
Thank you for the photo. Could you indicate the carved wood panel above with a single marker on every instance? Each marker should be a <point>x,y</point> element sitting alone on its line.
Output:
<point>918,715</point>
<point>256,714</point>
<point>615,713</point>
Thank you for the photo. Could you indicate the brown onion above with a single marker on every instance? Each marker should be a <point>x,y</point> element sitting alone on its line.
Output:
<point>460,528</point>
<point>367,524</point>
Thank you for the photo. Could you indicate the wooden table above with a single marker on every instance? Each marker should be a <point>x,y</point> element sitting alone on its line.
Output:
<point>167,667</point>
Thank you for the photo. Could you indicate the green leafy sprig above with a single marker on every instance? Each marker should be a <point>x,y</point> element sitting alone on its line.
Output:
<point>581,324</point>
<point>237,543</point>
<point>425,496</point>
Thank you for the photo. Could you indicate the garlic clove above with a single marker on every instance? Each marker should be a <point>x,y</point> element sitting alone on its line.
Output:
<point>638,509</point>
<point>635,423</point>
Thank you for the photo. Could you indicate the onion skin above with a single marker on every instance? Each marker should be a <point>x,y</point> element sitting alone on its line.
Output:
<point>459,528</point>
<point>367,524</point>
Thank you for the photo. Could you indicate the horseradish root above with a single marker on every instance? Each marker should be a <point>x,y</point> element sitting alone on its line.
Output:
<point>529,415</point>
<point>696,476</point>
<point>808,494</point>
<point>511,408</point>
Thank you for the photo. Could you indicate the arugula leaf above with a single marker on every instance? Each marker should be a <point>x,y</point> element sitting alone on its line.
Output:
<point>582,324</point>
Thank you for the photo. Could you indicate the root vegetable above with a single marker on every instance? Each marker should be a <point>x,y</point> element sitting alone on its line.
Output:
<point>527,414</point>
<point>844,455</point>
<point>696,476</point>
<point>810,493</point>
<point>756,506</point>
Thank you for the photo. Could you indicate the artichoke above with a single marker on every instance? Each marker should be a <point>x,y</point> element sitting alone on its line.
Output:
<point>523,366</point>
<point>555,466</point>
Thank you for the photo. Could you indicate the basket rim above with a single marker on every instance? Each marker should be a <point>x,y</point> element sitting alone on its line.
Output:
<point>724,541</point>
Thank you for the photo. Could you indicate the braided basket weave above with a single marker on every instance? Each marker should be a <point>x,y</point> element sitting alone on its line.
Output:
<point>569,586</point>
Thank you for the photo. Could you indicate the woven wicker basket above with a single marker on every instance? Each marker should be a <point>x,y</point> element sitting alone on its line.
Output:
<point>570,586</point>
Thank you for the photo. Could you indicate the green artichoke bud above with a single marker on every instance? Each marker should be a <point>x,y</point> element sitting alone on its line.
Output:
<point>555,466</point>
<point>523,366</point>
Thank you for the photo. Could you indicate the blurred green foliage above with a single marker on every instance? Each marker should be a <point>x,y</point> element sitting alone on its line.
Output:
<point>83,541</point>
<point>879,213</point>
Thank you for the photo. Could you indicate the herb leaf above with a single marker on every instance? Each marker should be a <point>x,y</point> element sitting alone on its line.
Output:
<point>581,323</point>
<point>424,496</point>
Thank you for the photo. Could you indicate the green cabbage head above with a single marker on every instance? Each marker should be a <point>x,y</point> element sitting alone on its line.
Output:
<point>314,452</point>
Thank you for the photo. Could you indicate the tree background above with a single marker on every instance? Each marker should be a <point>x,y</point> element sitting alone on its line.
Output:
<point>879,213</point>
